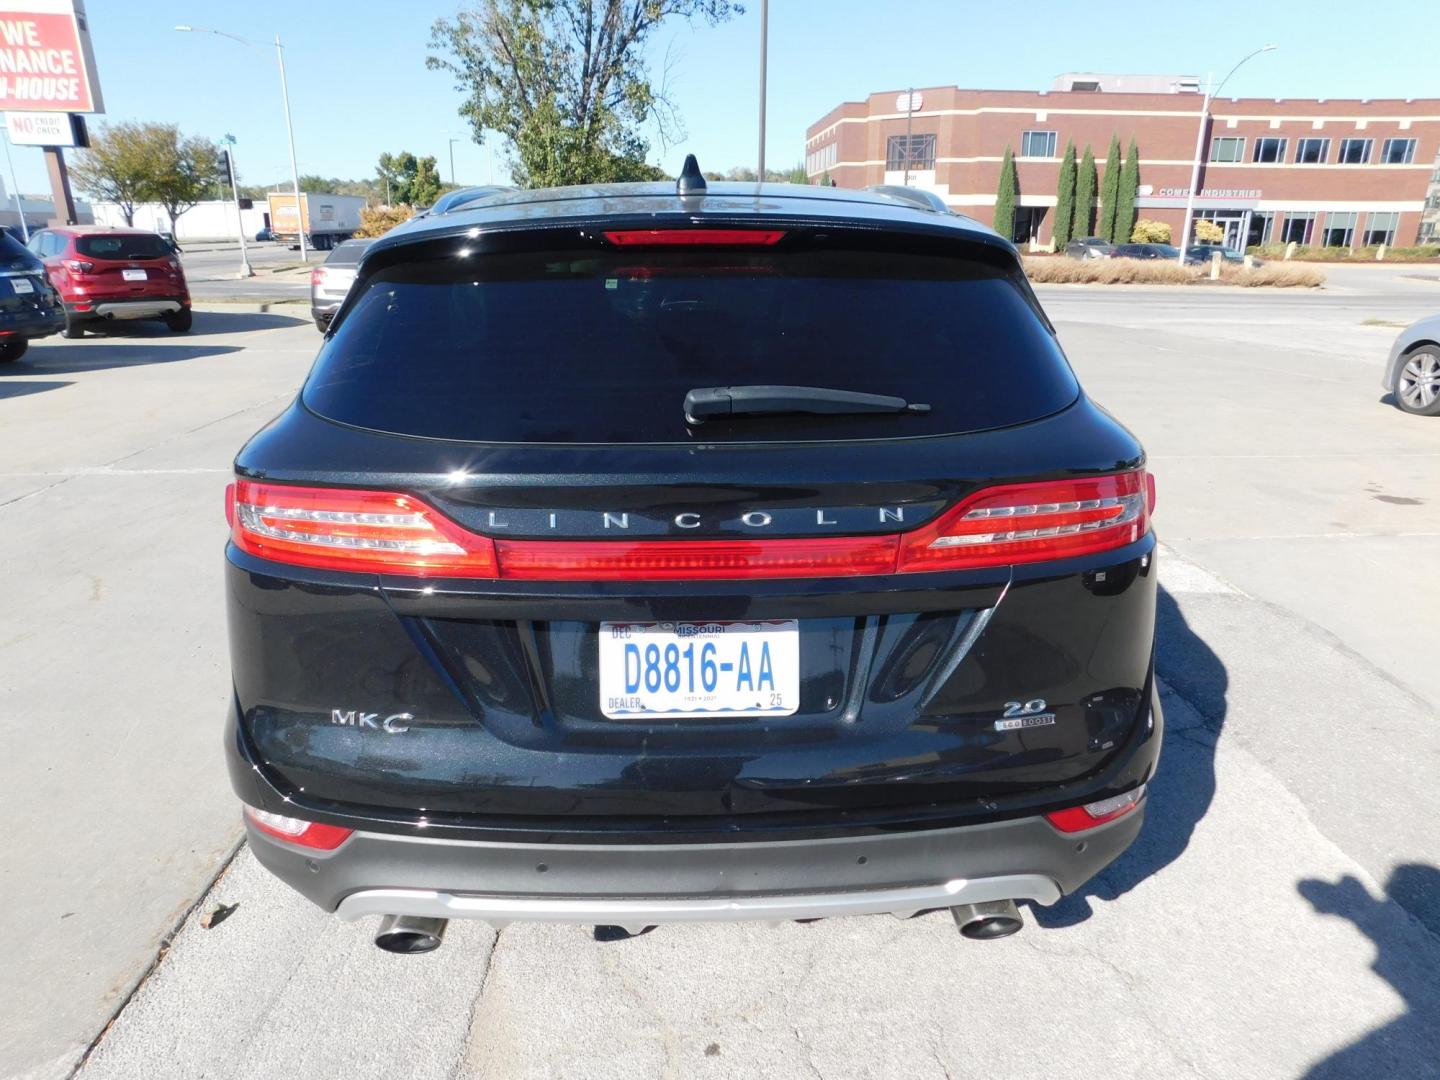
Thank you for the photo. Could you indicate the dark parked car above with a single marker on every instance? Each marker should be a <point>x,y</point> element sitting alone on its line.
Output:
<point>113,274</point>
<point>29,306</point>
<point>1147,251</point>
<point>619,563</point>
<point>330,282</point>
<point>1090,247</point>
<point>1203,253</point>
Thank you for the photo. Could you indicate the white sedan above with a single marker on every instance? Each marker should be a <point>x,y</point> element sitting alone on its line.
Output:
<point>1412,373</point>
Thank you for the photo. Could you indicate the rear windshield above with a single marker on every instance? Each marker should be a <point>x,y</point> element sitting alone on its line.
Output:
<point>347,253</point>
<point>15,255</point>
<point>602,347</point>
<point>138,246</point>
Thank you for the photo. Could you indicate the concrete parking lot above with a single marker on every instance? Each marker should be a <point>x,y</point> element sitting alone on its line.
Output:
<point>1280,916</point>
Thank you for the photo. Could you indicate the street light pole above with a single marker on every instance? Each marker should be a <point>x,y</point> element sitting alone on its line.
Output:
<point>764,46</point>
<point>15,191</point>
<point>290,131</point>
<point>1211,93</point>
<point>289,127</point>
<point>452,159</point>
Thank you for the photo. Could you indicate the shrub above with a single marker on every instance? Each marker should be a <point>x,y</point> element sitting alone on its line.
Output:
<point>1005,197</point>
<point>1207,232</point>
<point>1305,253</point>
<point>1150,232</point>
<point>1084,220</point>
<point>378,220</point>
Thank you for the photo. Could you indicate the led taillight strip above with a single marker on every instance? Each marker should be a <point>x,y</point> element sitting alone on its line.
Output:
<point>389,532</point>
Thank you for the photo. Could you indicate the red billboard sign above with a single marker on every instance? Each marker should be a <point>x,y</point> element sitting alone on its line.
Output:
<point>45,60</point>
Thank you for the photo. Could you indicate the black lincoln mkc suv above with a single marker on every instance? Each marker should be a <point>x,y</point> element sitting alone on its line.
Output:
<point>660,552</point>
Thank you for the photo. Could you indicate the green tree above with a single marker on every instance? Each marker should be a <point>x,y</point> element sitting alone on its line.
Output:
<point>1085,197</point>
<point>1065,199</point>
<point>1005,196</point>
<point>117,166</point>
<point>1110,191</point>
<point>408,180</point>
<point>564,82</point>
<point>1129,189</point>
<point>134,163</point>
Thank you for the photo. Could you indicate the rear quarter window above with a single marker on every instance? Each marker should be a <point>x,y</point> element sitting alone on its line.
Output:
<point>601,347</point>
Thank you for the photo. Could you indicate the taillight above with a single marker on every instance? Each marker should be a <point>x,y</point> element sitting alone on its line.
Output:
<point>694,237</point>
<point>695,560</point>
<point>78,266</point>
<point>317,276</point>
<point>310,834</point>
<point>380,532</point>
<point>1092,815</point>
<point>337,529</point>
<point>1024,523</point>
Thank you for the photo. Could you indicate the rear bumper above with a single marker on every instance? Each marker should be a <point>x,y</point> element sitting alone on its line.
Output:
<point>36,325</point>
<point>899,873</point>
<point>130,309</point>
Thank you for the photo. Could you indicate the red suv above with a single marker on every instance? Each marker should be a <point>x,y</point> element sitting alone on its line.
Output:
<point>104,274</point>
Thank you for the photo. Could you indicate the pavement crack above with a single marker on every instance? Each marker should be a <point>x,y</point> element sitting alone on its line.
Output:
<point>161,951</point>
<point>458,1067</point>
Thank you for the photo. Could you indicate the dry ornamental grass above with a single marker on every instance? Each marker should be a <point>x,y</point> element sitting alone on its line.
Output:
<point>1063,271</point>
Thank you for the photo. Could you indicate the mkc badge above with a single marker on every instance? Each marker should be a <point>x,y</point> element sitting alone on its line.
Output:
<point>395,724</point>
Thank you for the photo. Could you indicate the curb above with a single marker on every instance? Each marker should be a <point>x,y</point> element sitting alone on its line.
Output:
<point>249,306</point>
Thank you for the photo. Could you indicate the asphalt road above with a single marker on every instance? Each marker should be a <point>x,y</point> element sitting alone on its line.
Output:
<point>212,271</point>
<point>1279,917</point>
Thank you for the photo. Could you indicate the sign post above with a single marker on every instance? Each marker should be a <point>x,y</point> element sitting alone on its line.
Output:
<point>47,66</point>
<point>245,270</point>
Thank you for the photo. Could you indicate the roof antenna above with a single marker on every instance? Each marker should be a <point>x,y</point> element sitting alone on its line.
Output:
<point>692,180</point>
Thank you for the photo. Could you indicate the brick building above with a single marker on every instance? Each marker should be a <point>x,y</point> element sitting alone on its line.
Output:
<point>1339,172</point>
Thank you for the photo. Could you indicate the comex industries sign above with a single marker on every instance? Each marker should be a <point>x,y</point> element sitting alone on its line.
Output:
<point>46,64</point>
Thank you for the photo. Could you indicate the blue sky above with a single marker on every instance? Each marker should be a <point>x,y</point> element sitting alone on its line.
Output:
<point>359,86</point>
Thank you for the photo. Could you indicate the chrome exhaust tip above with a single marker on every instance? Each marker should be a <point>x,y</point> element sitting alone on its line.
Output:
<point>989,921</point>
<point>409,934</point>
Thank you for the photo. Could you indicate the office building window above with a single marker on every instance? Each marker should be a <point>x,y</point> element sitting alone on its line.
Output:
<point>1380,229</point>
<point>1227,148</point>
<point>1339,230</point>
<point>1397,152</point>
<point>1262,224</point>
<point>920,155</point>
<point>1297,228</point>
<point>1355,151</point>
<point>1037,144</point>
<point>1269,150</point>
<point>1311,151</point>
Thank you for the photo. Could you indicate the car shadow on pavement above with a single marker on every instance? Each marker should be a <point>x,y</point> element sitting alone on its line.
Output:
<point>1178,797</point>
<point>62,361</point>
<point>10,389</point>
<point>240,322</point>
<point>1401,1047</point>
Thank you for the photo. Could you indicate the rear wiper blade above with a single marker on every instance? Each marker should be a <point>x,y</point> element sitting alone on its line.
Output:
<point>707,402</point>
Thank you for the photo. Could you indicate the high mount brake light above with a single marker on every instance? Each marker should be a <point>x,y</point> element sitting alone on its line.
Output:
<point>1025,523</point>
<point>389,532</point>
<point>1075,819</point>
<point>694,237</point>
<point>310,834</point>
<point>339,529</point>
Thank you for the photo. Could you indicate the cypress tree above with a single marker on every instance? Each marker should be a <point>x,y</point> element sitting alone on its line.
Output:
<point>1005,197</point>
<point>1085,197</point>
<point>1065,199</point>
<point>1125,200</point>
<point>1110,191</point>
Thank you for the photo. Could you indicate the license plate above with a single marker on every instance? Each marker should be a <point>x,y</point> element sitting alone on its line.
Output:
<point>662,670</point>
<point>21,285</point>
<point>133,275</point>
